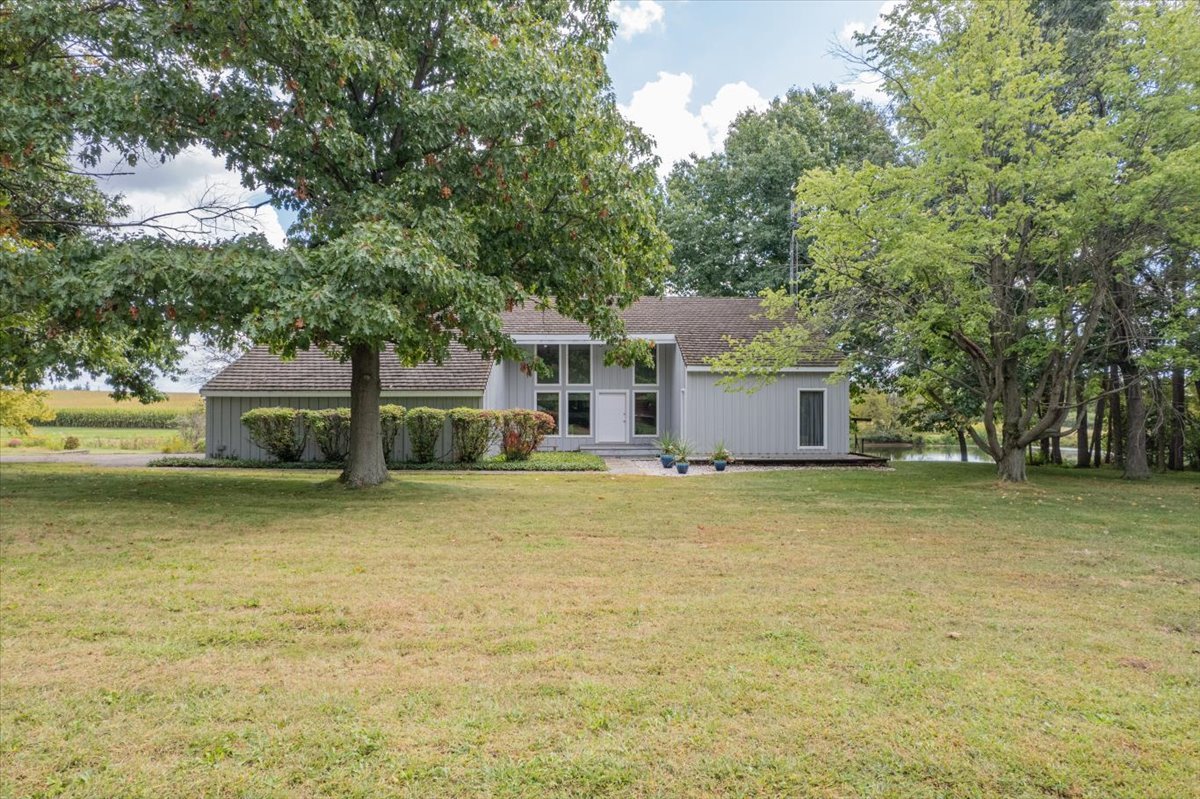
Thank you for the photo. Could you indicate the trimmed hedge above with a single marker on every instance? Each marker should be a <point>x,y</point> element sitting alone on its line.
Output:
<point>330,428</point>
<point>522,432</point>
<point>539,462</point>
<point>144,418</point>
<point>424,428</point>
<point>472,431</point>
<point>391,422</point>
<point>280,431</point>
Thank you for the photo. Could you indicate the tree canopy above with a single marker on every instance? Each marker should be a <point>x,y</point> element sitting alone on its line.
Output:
<point>989,261</point>
<point>445,160</point>
<point>729,215</point>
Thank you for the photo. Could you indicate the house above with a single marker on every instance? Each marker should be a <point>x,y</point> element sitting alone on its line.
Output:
<point>606,409</point>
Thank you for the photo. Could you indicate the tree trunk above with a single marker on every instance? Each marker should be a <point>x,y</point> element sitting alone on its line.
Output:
<point>1137,467</point>
<point>1083,453</point>
<point>962,445</point>
<point>1116,435</point>
<point>1011,467</point>
<point>1098,430</point>
<point>365,466</point>
<point>1056,450</point>
<point>1178,416</point>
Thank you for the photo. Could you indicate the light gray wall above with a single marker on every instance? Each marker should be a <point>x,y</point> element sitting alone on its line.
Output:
<point>223,423</point>
<point>763,424</point>
<point>517,390</point>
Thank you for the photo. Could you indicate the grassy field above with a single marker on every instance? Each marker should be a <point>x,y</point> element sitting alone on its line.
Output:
<point>99,400</point>
<point>93,439</point>
<point>916,633</point>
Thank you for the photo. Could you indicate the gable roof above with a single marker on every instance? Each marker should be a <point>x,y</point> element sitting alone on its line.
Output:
<point>700,326</point>
<point>314,370</point>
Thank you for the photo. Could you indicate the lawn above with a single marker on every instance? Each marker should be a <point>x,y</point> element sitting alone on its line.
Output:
<point>93,439</point>
<point>916,633</point>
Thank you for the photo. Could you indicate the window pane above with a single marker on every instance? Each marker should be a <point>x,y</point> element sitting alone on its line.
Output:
<point>579,414</point>
<point>645,413</point>
<point>549,354</point>
<point>812,418</point>
<point>548,403</point>
<point>646,375</point>
<point>579,364</point>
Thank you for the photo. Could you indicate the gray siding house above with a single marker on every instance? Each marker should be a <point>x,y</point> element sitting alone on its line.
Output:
<point>606,409</point>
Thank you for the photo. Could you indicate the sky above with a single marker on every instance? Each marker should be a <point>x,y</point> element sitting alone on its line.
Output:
<point>681,70</point>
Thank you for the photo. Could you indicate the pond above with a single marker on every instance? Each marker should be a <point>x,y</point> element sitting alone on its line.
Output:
<point>940,452</point>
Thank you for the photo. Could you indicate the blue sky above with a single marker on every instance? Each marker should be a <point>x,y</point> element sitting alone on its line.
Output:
<point>682,70</point>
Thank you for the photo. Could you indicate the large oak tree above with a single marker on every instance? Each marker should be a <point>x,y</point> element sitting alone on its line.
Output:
<point>446,160</point>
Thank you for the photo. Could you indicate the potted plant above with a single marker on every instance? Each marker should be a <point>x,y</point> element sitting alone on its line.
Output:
<point>666,447</point>
<point>721,456</point>
<point>683,453</point>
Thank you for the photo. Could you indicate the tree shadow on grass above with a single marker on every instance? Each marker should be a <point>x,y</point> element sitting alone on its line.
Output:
<point>216,496</point>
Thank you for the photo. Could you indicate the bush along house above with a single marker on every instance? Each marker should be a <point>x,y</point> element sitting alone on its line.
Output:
<point>609,410</point>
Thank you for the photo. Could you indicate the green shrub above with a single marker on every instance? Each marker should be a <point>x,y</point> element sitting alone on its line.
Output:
<point>71,442</point>
<point>131,417</point>
<point>472,432</point>
<point>522,432</point>
<point>424,426</point>
<point>280,431</point>
<point>391,422</point>
<point>330,428</point>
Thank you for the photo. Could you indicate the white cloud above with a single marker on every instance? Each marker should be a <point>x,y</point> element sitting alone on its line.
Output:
<point>637,17</point>
<point>867,85</point>
<point>185,181</point>
<point>661,109</point>
<point>851,27</point>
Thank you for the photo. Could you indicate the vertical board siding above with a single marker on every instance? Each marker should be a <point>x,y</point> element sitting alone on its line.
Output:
<point>766,423</point>
<point>226,436</point>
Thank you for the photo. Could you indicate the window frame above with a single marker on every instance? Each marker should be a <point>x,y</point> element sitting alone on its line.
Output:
<point>633,414</point>
<point>566,414</point>
<point>537,377</point>
<point>566,361</point>
<point>634,376</point>
<point>824,418</point>
<point>558,431</point>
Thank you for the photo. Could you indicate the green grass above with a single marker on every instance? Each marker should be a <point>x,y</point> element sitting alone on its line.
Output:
<point>826,633</point>
<point>94,439</point>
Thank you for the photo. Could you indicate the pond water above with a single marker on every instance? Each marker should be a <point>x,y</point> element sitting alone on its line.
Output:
<point>941,452</point>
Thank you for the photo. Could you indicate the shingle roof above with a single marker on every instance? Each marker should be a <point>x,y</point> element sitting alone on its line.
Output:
<point>700,326</point>
<point>314,370</point>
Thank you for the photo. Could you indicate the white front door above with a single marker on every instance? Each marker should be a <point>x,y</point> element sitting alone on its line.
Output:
<point>612,417</point>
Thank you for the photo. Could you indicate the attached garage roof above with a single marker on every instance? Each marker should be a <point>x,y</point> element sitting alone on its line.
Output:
<point>699,325</point>
<point>313,370</point>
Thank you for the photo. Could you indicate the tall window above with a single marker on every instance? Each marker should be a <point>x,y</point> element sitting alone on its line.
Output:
<point>579,413</point>
<point>548,353</point>
<point>812,418</point>
<point>646,374</point>
<point>579,364</point>
<point>547,402</point>
<point>645,413</point>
